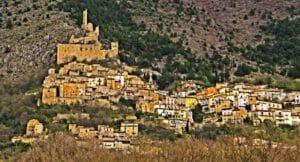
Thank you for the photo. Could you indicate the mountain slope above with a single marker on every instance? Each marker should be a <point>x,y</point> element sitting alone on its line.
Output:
<point>216,29</point>
<point>182,39</point>
<point>140,47</point>
<point>30,31</point>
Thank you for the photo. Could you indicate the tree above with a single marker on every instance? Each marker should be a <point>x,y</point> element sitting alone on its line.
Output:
<point>198,114</point>
<point>9,24</point>
<point>243,70</point>
<point>295,72</point>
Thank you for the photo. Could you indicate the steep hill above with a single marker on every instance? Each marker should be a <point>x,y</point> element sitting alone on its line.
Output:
<point>217,29</point>
<point>30,31</point>
<point>206,40</point>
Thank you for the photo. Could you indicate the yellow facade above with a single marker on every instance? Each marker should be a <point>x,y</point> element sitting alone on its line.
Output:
<point>73,128</point>
<point>111,84</point>
<point>190,102</point>
<point>34,127</point>
<point>241,113</point>
<point>252,100</point>
<point>105,131</point>
<point>224,105</point>
<point>87,133</point>
<point>71,90</point>
<point>145,106</point>
<point>49,96</point>
<point>130,129</point>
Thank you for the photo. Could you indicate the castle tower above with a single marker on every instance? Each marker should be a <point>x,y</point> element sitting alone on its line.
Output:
<point>84,19</point>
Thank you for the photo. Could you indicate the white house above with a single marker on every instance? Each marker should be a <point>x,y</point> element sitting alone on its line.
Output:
<point>283,117</point>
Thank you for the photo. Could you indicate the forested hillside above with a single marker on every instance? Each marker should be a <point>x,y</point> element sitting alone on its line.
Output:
<point>139,46</point>
<point>280,52</point>
<point>155,43</point>
<point>222,31</point>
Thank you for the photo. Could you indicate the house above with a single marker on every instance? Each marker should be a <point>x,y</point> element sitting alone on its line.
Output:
<point>242,99</point>
<point>251,100</point>
<point>34,132</point>
<point>178,125</point>
<point>295,119</point>
<point>87,133</point>
<point>266,105</point>
<point>259,115</point>
<point>130,128</point>
<point>105,131</point>
<point>230,116</point>
<point>224,104</point>
<point>34,128</point>
<point>283,117</point>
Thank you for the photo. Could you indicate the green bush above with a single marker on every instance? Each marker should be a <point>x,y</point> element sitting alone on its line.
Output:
<point>9,24</point>
<point>243,70</point>
<point>158,133</point>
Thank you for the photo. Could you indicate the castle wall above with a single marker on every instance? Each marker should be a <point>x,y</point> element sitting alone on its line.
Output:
<point>84,52</point>
<point>88,52</point>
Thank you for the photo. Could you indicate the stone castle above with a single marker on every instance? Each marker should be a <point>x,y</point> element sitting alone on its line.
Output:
<point>87,47</point>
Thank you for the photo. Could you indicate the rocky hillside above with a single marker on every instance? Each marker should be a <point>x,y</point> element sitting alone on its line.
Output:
<point>182,39</point>
<point>214,29</point>
<point>30,30</point>
<point>205,26</point>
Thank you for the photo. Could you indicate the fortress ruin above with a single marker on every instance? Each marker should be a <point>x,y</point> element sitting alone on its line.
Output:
<point>87,47</point>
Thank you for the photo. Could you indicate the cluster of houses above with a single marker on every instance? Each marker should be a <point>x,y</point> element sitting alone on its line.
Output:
<point>107,136</point>
<point>97,85</point>
<point>236,102</point>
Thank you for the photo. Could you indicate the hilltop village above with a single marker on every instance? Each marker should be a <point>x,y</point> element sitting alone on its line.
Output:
<point>84,77</point>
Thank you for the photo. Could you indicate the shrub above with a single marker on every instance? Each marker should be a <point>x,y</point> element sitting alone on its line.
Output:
<point>243,70</point>
<point>9,24</point>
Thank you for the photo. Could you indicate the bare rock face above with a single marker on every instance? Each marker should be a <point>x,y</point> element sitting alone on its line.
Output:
<point>30,31</point>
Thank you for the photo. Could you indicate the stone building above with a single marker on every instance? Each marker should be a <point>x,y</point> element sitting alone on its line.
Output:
<point>34,127</point>
<point>130,128</point>
<point>34,131</point>
<point>87,47</point>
